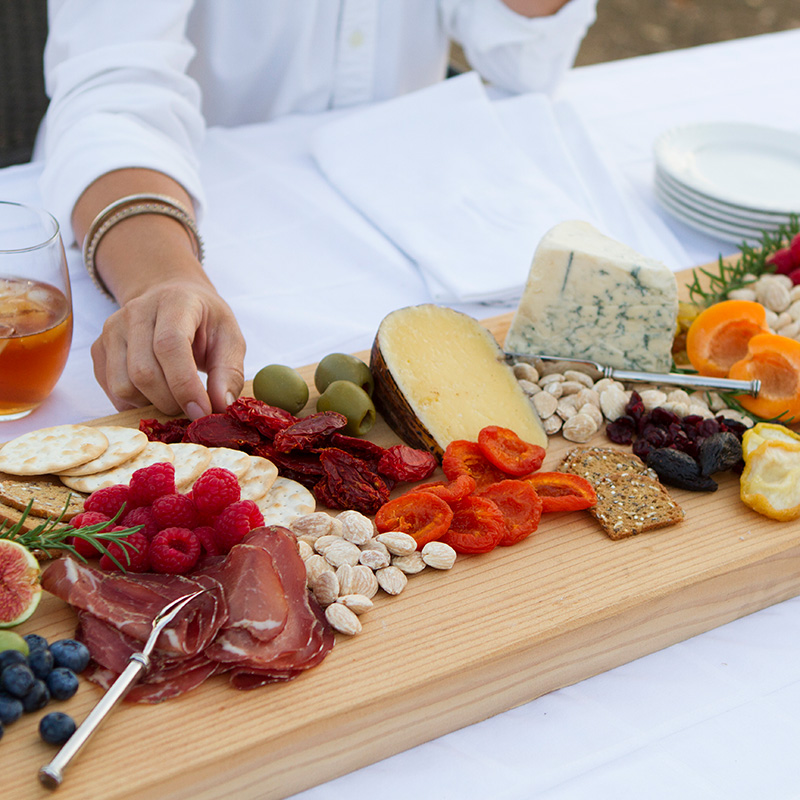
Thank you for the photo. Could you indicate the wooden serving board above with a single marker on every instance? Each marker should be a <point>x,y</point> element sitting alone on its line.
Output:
<point>455,647</point>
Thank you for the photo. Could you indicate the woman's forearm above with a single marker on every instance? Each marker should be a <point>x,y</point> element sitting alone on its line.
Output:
<point>535,8</point>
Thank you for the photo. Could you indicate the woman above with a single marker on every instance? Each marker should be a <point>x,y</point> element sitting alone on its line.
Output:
<point>132,88</point>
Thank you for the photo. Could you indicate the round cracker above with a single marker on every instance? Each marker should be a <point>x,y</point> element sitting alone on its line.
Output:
<point>123,445</point>
<point>190,462</point>
<point>153,453</point>
<point>285,501</point>
<point>258,479</point>
<point>52,449</point>
<point>235,461</point>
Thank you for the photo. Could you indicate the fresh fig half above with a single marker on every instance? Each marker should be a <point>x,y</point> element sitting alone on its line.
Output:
<point>20,590</point>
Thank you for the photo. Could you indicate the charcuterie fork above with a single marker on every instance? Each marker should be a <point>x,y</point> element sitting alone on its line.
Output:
<point>51,775</point>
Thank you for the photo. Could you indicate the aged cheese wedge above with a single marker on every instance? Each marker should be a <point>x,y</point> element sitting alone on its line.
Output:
<point>589,296</point>
<point>440,375</point>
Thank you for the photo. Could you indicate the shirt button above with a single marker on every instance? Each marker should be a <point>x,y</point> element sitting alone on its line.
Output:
<point>356,39</point>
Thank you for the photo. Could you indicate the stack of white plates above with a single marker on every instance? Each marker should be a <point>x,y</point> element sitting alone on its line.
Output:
<point>730,180</point>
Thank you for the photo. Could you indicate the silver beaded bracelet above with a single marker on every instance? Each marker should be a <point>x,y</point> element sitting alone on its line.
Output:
<point>131,206</point>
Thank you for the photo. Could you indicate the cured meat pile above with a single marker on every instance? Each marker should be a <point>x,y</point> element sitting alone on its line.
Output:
<point>257,620</point>
<point>342,471</point>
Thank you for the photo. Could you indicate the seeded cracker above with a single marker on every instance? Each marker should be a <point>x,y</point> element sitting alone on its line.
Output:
<point>49,495</point>
<point>630,498</point>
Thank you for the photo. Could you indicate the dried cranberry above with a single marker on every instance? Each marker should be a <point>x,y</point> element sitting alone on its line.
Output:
<point>692,420</point>
<point>621,430</point>
<point>732,425</point>
<point>635,407</point>
<point>662,417</point>
<point>708,427</point>
<point>655,436</point>
<point>641,448</point>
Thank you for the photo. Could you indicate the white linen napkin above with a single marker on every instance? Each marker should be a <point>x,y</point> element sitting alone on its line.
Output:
<point>439,175</point>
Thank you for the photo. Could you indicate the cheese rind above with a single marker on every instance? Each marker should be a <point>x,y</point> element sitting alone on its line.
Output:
<point>440,375</point>
<point>591,297</point>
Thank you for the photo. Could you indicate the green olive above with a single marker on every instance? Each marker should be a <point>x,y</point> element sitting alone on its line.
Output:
<point>281,386</point>
<point>343,367</point>
<point>351,400</point>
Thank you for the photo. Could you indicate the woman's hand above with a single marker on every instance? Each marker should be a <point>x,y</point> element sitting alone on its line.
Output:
<point>171,322</point>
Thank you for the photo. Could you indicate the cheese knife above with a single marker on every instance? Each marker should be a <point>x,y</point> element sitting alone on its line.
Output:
<point>668,379</point>
<point>51,775</point>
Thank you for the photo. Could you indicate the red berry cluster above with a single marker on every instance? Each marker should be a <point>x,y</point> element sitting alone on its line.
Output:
<point>787,260</point>
<point>178,530</point>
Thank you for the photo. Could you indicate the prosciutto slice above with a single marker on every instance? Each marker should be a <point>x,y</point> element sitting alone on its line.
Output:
<point>130,603</point>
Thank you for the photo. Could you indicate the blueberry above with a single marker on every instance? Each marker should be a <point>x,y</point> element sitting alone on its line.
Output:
<point>56,727</point>
<point>41,663</point>
<point>35,642</point>
<point>38,697</point>
<point>9,657</point>
<point>17,679</point>
<point>10,708</point>
<point>70,654</point>
<point>62,683</point>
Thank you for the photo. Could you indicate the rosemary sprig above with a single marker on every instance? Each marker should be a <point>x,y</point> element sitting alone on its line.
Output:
<point>742,271</point>
<point>53,535</point>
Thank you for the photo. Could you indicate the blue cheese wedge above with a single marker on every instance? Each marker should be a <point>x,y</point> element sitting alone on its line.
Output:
<point>589,296</point>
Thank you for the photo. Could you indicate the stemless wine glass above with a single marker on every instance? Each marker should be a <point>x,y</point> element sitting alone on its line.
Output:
<point>35,308</point>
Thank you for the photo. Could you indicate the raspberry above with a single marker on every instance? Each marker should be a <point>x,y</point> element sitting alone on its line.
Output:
<point>134,560</point>
<point>174,511</point>
<point>84,520</point>
<point>141,516</point>
<point>235,522</point>
<point>215,490</point>
<point>107,501</point>
<point>207,537</point>
<point>174,550</point>
<point>148,483</point>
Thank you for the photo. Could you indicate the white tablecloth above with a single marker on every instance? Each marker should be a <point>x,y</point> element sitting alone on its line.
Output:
<point>717,716</point>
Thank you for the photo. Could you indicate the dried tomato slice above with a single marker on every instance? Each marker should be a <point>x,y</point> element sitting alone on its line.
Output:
<point>404,463</point>
<point>562,491</point>
<point>419,514</point>
<point>266,419</point>
<point>169,432</point>
<point>478,526</point>
<point>508,452</point>
<point>520,505</point>
<point>310,432</point>
<point>220,430</point>
<point>450,492</point>
<point>349,482</point>
<point>465,458</point>
<point>363,448</point>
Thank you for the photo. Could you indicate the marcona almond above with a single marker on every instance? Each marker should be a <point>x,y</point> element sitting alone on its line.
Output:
<point>410,564</point>
<point>341,552</point>
<point>345,575</point>
<point>391,580</point>
<point>438,555</point>
<point>545,404</point>
<point>356,527</point>
<point>315,566</point>
<point>357,603</point>
<point>324,542</point>
<point>375,559</point>
<point>374,544</point>
<point>314,525</point>
<point>325,588</point>
<point>363,581</point>
<point>304,549</point>
<point>552,424</point>
<point>342,619</point>
<point>398,543</point>
<point>579,428</point>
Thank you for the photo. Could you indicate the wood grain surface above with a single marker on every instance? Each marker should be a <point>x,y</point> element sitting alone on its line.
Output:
<point>455,647</point>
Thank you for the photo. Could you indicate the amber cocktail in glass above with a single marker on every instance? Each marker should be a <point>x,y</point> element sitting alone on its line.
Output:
<point>35,308</point>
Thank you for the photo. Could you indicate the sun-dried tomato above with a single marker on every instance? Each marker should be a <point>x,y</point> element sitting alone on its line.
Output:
<point>508,452</point>
<point>350,483</point>
<point>465,458</point>
<point>404,463</point>
<point>169,432</point>
<point>266,419</point>
<point>310,432</point>
<point>220,430</point>
<point>419,514</point>
<point>562,491</point>
<point>363,448</point>
<point>520,505</point>
<point>297,461</point>
<point>477,526</point>
<point>450,491</point>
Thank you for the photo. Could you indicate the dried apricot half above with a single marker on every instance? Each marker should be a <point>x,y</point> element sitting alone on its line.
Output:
<point>719,335</point>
